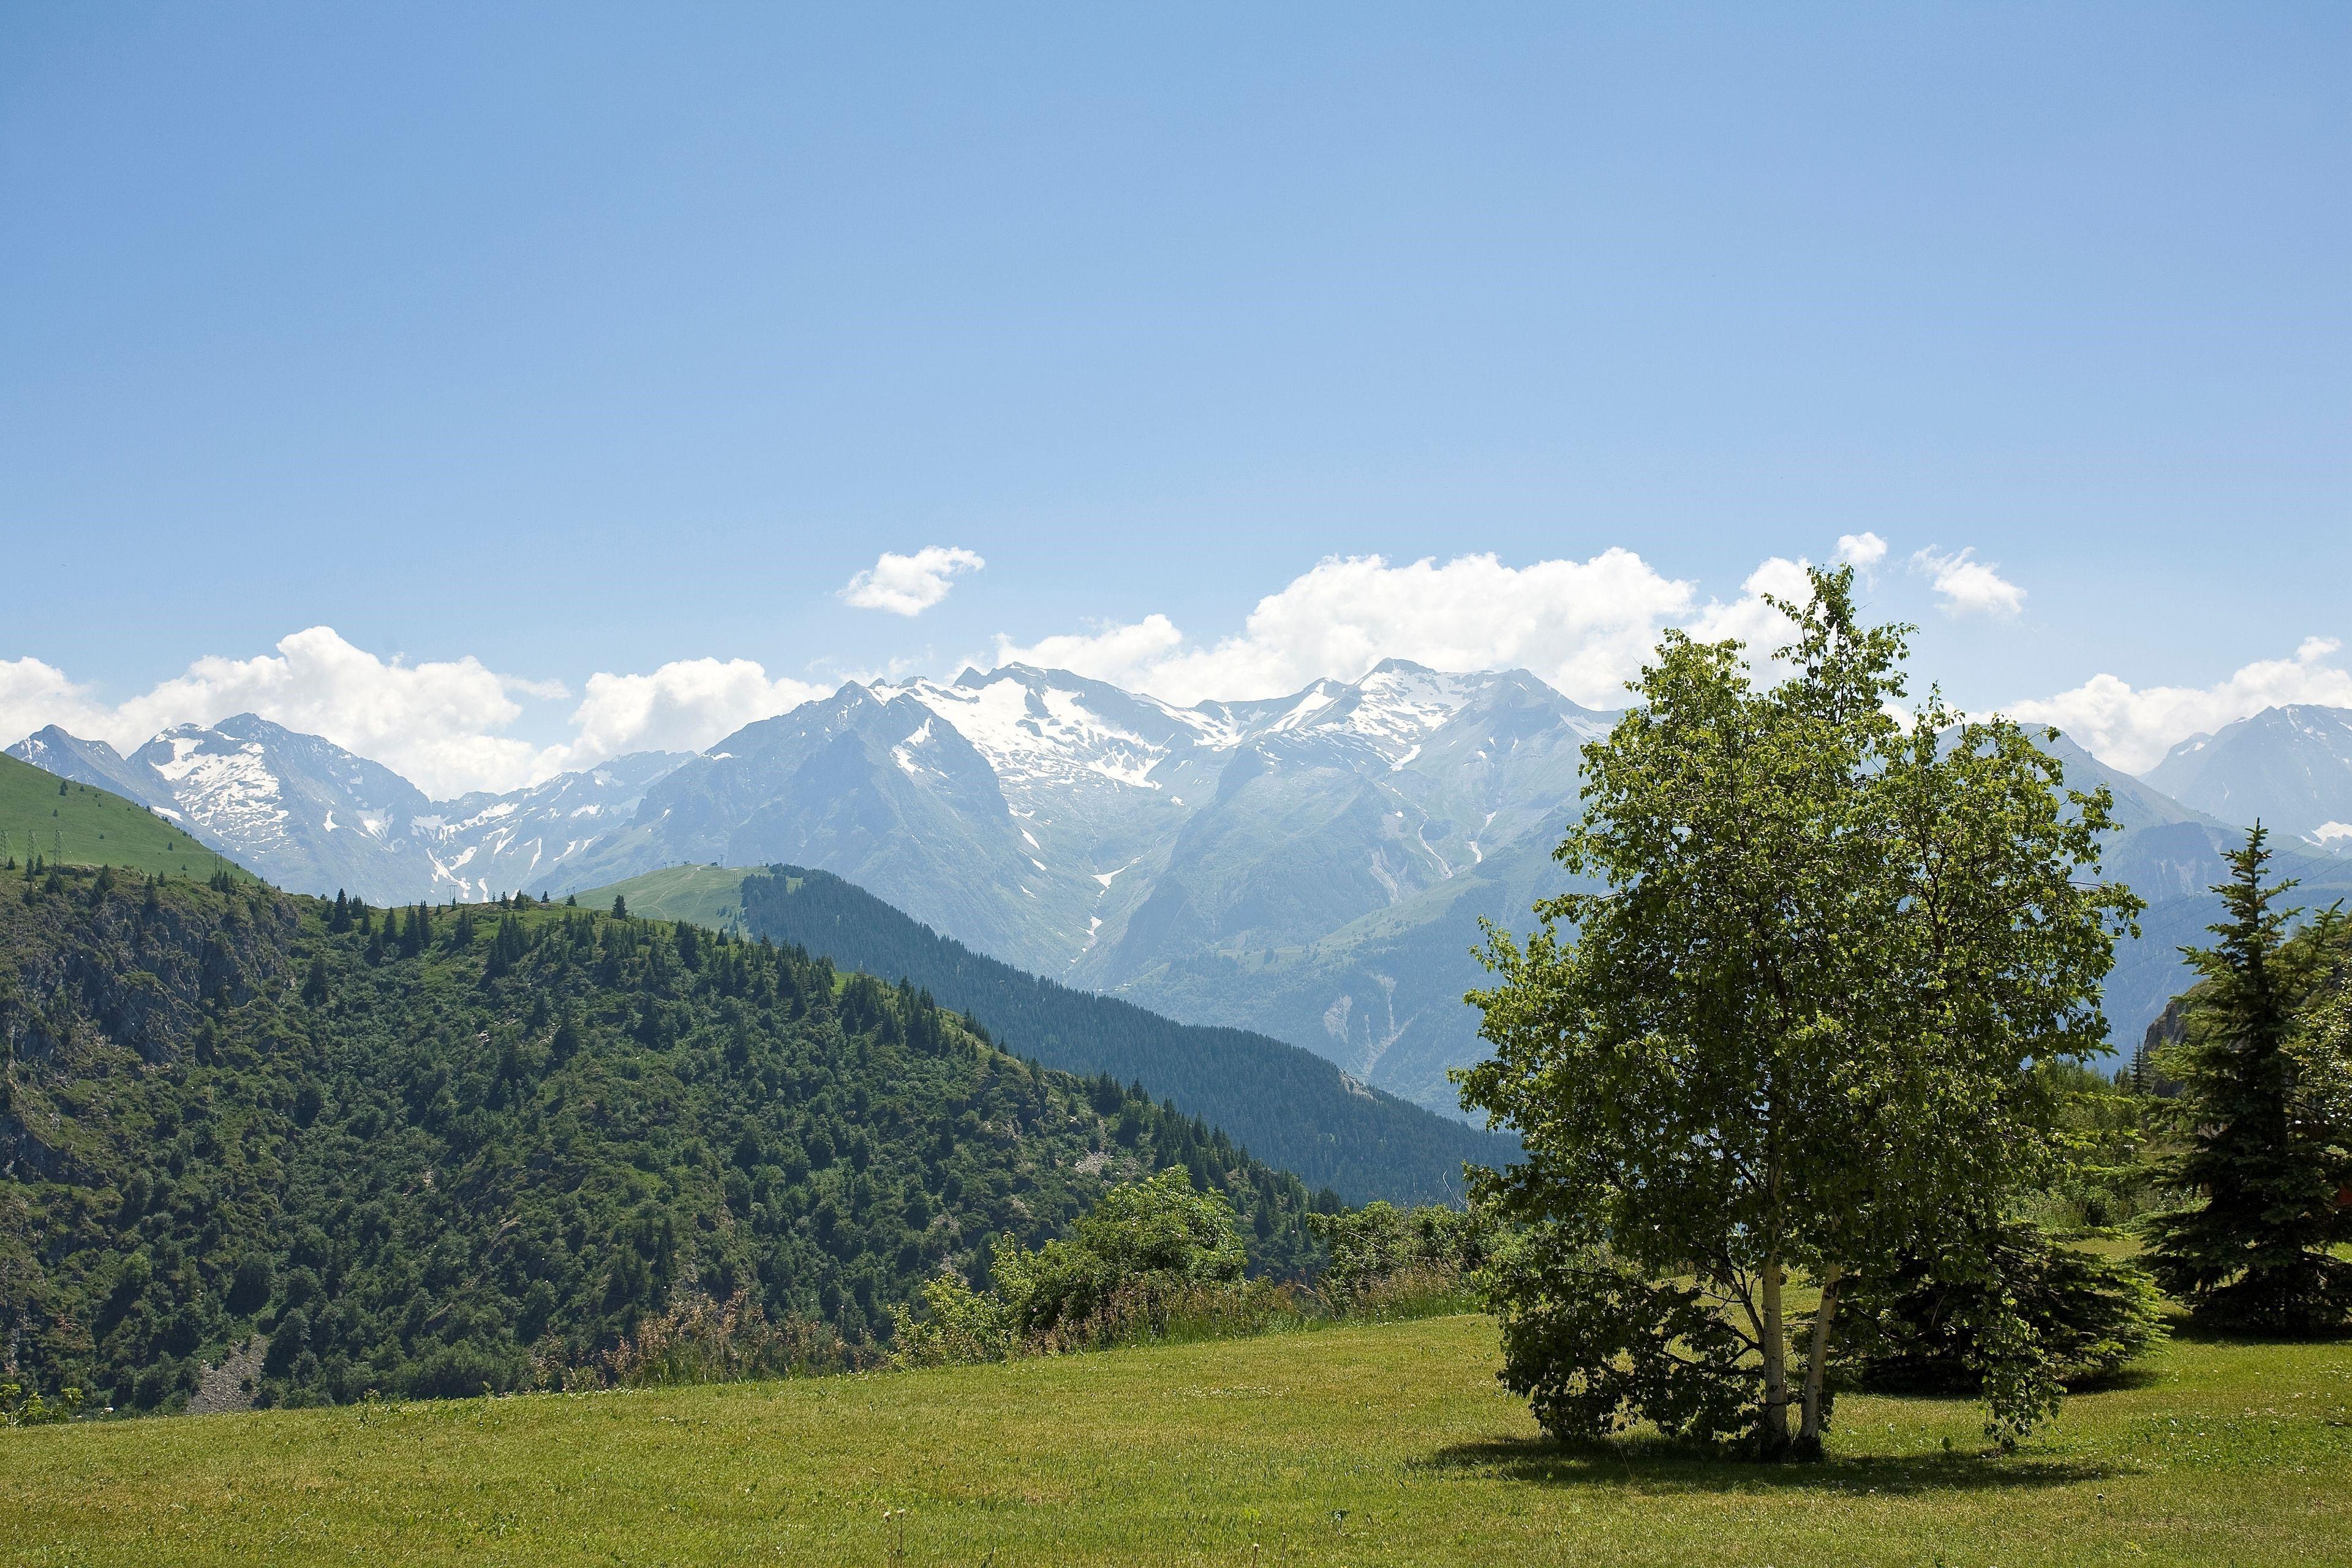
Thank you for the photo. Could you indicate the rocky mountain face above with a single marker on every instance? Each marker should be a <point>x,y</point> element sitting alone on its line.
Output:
<point>1314,866</point>
<point>2291,767</point>
<point>313,817</point>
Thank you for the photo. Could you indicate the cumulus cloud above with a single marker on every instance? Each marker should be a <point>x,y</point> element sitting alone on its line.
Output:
<point>909,584</point>
<point>1860,550</point>
<point>1585,626</point>
<point>443,725</point>
<point>683,706</point>
<point>439,723</point>
<point>1967,585</point>
<point>2132,728</point>
<point>34,695</point>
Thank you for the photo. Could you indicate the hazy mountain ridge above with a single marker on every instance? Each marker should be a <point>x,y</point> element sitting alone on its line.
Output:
<point>314,817</point>
<point>1314,866</point>
<point>2291,767</point>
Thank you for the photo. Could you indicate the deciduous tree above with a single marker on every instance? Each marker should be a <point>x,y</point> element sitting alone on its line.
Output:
<point>1789,1036</point>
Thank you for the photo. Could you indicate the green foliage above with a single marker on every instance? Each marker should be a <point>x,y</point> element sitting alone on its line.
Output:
<point>1927,1328</point>
<point>1597,1347</point>
<point>2106,1131</point>
<point>1154,1262</point>
<point>1379,1250</point>
<point>1148,1242</point>
<point>2268,1147</point>
<point>1794,1032</point>
<point>1285,1105</point>
<point>1157,1234</point>
<point>21,1407</point>
<point>569,1149</point>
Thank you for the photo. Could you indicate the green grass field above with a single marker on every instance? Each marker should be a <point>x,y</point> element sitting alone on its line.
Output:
<point>86,827</point>
<point>1370,1445</point>
<point>702,895</point>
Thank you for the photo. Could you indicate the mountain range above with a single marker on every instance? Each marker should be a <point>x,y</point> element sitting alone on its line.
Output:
<point>1314,866</point>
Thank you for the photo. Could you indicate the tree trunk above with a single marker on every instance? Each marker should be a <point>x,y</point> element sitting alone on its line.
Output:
<point>1772,1430</point>
<point>1808,1433</point>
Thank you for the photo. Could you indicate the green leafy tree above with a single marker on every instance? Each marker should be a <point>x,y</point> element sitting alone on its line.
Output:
<point>1791,1036</point>
<point>2265,1158</point>
<point>1157,1232</point>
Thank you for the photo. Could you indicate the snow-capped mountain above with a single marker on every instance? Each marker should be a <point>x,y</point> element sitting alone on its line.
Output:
<point>2291,767</point>
<point>310,816</point>
<point>1313,865</point>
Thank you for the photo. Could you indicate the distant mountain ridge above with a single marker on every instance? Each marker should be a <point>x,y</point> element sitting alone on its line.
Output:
<point>315,818</point>
<point>1314,866</point>
<point>2291,767</point>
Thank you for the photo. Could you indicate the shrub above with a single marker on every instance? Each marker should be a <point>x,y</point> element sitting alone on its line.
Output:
<point>1595,1346</point>
<point>1917,1331</point>
<point>699,1339</point>
<point>1380,1251</point>
<point>1161,1231</point>
<point>20,1408</point>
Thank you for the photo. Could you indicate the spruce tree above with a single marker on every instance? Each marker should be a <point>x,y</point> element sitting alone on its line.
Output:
<point>2250,1250</point>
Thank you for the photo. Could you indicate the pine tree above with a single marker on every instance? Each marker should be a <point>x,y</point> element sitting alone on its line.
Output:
<point>507,947</point>
<point>2252,1251</point>
<point>314,985</point>
<point>620,908</point>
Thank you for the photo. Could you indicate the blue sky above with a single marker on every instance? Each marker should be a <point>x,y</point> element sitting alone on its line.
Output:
<point>577,340</point>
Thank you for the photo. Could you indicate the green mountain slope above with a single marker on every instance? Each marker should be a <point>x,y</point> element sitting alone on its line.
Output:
<point>422,1156</point>
<point>1285,1105</point>
<point>78,824</point>
<point>706,895</point>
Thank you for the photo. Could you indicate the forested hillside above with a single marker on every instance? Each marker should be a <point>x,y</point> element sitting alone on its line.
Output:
<point>1280,1102</point>
<point>424,1152</point>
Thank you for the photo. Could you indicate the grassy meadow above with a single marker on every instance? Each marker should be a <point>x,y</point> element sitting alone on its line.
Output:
<point>86,827</point>
<point>1387,1443</point>
<point>706,895</point>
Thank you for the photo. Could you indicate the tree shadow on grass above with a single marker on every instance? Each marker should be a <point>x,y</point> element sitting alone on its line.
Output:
<point>1655,1464</point>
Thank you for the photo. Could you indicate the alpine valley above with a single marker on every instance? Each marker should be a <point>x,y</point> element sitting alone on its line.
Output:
<point>1314,866</point>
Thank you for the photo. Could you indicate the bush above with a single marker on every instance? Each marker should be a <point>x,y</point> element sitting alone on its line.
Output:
<point>20,1408</point>
<point>1380,1253</point>
<point>1917,1331</point>
<point>1153,1260</point>
<point>699,1339</point>
<point>1159,1232</point>
<point>1596,1347</point>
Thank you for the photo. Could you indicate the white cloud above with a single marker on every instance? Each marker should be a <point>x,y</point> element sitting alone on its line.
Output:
<point>1968,586</point>
<point>437,722</point>
<point>1755,622</point>
<point>34,695</point>
<point>1861,551</point>
<point>1585,626</point>
<point>683,706</point>
<point>2132,730</point>
<point>442,725</point>
<point>1123,654</point>
<point>909,584</point>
